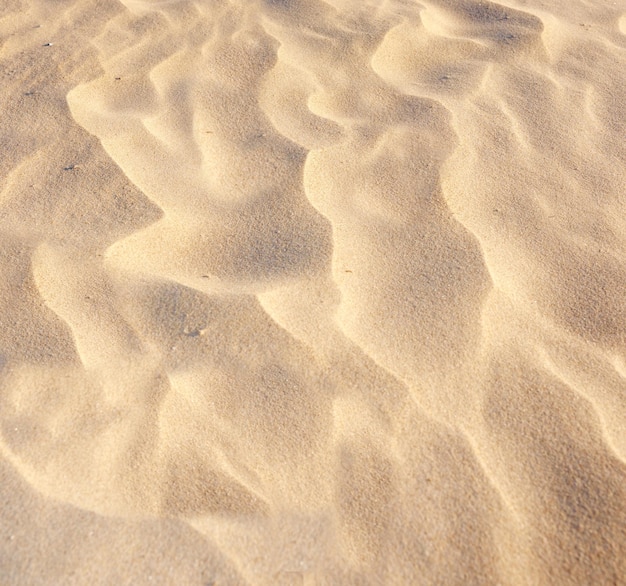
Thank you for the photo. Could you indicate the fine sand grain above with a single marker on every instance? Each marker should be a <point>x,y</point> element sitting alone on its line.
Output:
<point>319,292</point>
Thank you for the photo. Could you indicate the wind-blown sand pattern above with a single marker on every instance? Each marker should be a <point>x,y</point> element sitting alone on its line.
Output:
<point>313,292</point>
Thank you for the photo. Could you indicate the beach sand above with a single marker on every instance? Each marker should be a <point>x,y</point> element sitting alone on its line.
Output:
<point>313,292</point>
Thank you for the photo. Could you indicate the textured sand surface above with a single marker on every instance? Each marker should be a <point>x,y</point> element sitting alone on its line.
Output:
<point>313,292</point>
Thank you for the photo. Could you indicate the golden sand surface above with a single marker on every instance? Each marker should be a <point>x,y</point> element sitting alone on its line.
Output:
<point>315,292</point>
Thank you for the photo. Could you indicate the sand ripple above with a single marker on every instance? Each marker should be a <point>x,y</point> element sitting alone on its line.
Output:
<point>334,289</point>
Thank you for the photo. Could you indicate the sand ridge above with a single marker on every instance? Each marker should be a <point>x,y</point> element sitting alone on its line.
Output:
<point>324,291</point>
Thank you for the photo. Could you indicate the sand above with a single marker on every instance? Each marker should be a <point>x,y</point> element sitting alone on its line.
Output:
<point>313,292</point>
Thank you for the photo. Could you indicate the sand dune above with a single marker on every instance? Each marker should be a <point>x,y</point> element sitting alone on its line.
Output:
<point>313,292</point>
